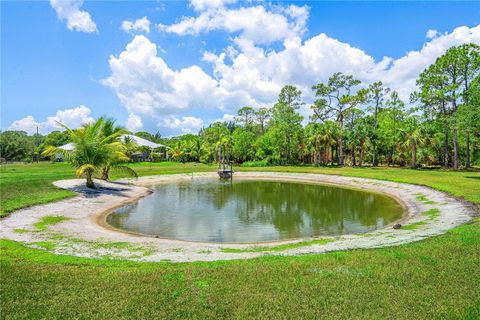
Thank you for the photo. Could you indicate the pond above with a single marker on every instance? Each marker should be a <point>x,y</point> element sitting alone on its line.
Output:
<point>211,210</point>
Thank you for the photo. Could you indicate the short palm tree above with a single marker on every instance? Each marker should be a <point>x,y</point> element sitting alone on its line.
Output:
<point>327,135</point>
<point>93,150</point>
<point>413,136</point>
<point>115,162</point>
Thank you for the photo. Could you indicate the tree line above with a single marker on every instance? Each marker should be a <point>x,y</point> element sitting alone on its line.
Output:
<point>351,124</point>
<point>354,124</point>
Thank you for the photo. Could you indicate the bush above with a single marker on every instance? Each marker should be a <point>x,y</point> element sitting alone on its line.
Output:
<point>261,163</point>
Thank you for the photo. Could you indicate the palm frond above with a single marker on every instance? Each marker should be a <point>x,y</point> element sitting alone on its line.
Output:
<point>124,169</point>
<point>51,151</point>
<point>84,168</point>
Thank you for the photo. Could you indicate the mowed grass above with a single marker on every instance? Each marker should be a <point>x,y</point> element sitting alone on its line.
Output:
<point>23,185</point>
<point>432,279</point>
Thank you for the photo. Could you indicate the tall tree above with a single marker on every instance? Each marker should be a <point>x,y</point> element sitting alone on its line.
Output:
<point>376,99</point>
<point>444,87</point>
<point>413,137</point>
<point>261,117</point>
<point>291,96</point>
<point>336,97</point>
<point>285,122</point>
<point>396,114</point>
<point>245,115</point>
<point>469,61</point>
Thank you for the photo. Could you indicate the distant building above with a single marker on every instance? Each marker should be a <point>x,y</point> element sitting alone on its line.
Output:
<point>138,156</point>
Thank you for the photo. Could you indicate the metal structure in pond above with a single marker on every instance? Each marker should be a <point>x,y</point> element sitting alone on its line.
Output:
<point>225,167</point>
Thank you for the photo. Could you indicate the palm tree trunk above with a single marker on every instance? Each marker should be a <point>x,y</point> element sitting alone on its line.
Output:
<point>332,156</point>
<point>105,173</point>
<point>362,149</point>
<point>467,155</point>
<point>340,152</point>
<point>455,149</point>
<point>90,183</point>
<point>414,153</point>
<point>445,148</point>
<point>352,153</point>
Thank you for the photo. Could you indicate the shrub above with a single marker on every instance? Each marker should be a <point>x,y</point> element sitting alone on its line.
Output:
<point>261,163</point>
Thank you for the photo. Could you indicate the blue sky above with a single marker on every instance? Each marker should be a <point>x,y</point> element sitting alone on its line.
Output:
<point>188,64</point>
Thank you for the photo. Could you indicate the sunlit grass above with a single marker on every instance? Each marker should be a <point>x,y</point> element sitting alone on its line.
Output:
<point>432,279</point>
<point>47,221</point>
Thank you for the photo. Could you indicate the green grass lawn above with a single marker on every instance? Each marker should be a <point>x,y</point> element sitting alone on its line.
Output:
<point>23,185</point>
<point>432,279</point>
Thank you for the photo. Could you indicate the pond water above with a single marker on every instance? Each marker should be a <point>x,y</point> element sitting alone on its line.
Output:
<point>210,210</point>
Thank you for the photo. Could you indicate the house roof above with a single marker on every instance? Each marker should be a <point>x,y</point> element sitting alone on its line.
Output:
<point>142,142</point>
<point>68,147</point>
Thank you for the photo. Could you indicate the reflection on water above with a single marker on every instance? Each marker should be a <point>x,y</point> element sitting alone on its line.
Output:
<point>210,210</point>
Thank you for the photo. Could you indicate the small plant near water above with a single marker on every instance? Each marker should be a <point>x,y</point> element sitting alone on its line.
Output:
<point>136,251</point>
<point>423,198</point>
<point>414,226</point>
<point>281,247</point>
<point>432,213</point>
<point>48,245</point>
<point>47,221</point>
<point>21,230</point>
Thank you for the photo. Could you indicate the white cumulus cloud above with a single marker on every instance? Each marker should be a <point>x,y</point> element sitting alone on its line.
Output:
<point>146,85</point>
<point>431,33</point>
<point>255,24</point>
<point>201,5</point>
<point>134,123</point>
<point>226,118</point>
<point>185,124</point>
<point>77,20</point>
<point>139,25</point>
<point>72,118</point>
<point>247,73</point>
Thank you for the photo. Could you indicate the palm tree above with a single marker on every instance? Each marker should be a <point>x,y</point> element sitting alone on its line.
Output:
<point>93,150</point>
<point>328,134</point>
<point>177,152</point>
<point>413,137</point>
<point>363,132</point>
<point>116,161</point>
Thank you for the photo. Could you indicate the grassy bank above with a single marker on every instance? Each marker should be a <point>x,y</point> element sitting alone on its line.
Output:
<point>432,279</point>
<point>30,184</point>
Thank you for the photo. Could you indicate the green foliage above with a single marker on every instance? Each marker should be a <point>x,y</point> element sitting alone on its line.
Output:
<point>56,138</point>
<point>260,163</point>
<point>97,149</point>
<point>16,145</point>
<point>243,149</point>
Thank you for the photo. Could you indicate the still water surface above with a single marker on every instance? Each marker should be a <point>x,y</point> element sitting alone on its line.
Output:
<point>210,210</point>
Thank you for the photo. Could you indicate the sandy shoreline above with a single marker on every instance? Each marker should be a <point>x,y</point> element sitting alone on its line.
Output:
<point>85,232</point>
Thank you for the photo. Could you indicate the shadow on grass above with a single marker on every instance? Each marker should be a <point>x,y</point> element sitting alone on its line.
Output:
<point>471,177</point>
